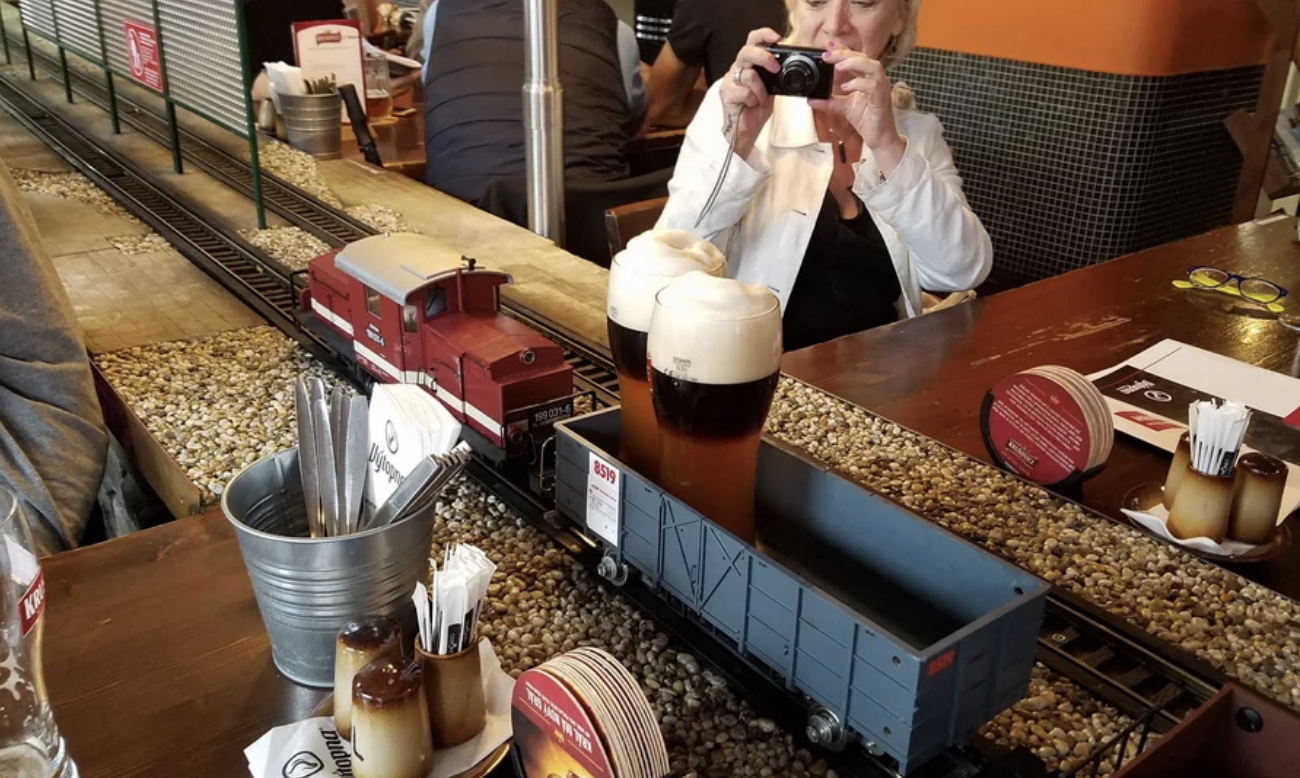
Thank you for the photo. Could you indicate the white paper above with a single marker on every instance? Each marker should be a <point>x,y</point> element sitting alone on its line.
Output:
<point>1156,518</point>
<point>314,748</point>
<point>1205,371</point>
<point>603,503</point>
<point>407,424</point>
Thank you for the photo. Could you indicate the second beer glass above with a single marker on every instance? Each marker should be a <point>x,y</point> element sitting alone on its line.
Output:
<point>650,261</point>
<point>715,350</point>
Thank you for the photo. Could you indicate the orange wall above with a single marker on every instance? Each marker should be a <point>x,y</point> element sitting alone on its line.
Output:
<point>1127,37</point>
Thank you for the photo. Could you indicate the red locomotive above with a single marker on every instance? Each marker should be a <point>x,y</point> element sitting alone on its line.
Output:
<point>408,308</point>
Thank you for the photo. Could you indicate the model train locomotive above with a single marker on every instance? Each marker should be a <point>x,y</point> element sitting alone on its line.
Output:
<point>409,309</point>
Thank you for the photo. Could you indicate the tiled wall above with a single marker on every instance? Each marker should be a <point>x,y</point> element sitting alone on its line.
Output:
<point>1068,168</point>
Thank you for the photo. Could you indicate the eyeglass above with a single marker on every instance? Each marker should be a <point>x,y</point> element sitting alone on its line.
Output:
<point>1256,290</point>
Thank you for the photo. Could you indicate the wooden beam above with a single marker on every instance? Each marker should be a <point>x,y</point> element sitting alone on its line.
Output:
<point>1255,135</point>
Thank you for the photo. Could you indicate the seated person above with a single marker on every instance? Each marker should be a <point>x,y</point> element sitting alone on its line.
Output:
<point>473,99</point>
<point>52,436</point>
<point>704,38</point>
<point>846,208</point>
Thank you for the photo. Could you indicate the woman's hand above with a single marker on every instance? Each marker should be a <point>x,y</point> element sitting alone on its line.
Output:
<point>865,101</point>
<point>746,105</point>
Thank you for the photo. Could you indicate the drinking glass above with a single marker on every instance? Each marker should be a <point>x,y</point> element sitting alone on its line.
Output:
<point>379,88</point>
<point>30,745</point>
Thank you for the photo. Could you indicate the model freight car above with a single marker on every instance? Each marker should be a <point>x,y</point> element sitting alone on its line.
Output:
<point>832,601</point>
<point>410,309</point>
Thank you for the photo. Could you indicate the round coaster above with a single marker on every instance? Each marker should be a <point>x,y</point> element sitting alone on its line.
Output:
<point>553,730</point>
<point>1034,427</point>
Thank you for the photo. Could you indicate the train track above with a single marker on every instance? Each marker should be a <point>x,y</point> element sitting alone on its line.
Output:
<point>1120,664</point>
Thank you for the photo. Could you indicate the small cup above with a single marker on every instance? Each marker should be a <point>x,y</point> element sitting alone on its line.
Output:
<point>1201,507</point>
<point>390,722</point>
<point>1256,498</point>
<point>357,645</point>
<point>1182,461</point>
<point>453,687</point>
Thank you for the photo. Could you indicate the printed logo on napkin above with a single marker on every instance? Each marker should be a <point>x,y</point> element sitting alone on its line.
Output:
<point>553,732</point>
<point>1267,433</point>
<point>407,424</point>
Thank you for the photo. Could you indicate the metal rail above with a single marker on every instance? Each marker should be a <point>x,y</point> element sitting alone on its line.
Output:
<point>1115,661</point>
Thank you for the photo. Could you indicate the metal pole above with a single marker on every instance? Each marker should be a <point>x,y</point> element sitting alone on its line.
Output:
<point>112,103</point>
<point>4,36</point>
<point>544,119</point>
<point>174,135</point>
<point>254,160</point>
<point>31,63</point>
<point>63,65</point>
<point>178,160</point>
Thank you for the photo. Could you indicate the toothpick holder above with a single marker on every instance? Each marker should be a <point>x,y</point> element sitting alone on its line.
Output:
<point>453,688</point>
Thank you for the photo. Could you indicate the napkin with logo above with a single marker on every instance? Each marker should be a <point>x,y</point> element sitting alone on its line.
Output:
<point>407,424</point>
<point>314,748</point>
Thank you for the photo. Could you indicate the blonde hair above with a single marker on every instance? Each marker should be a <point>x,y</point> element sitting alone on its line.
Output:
<point>899,46</point>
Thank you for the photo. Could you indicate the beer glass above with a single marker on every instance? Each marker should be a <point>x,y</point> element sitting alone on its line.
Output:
<point>30,745</point>
<point>379,90</point>
<point>715,355</point>
<point>646,265</point>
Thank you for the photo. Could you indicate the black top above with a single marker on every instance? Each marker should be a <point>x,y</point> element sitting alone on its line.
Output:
<point>847,282</point>
<point>474,108</point>
<point>267,27</point>
<point>712,32</point>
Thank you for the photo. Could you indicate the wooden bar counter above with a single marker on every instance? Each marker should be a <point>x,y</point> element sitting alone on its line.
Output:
<point>930,374</point>
<point>156,658</point>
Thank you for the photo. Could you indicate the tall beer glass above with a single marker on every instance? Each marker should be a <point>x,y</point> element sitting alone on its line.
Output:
<point>649,262</point>
<point>30,745</point>
<point>715,353</point>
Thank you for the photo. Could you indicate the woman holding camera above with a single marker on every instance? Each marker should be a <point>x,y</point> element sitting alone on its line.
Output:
<point>845,207</point>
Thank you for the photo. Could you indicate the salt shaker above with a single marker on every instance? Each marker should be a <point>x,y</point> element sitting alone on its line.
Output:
<point>1257,497</point>
<point>358,644</point>
<point>390,722</point>
<point>1182,461</point>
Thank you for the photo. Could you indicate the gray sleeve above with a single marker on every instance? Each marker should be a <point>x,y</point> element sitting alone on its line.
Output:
<point>629,57</point>
<point>427,25</point>
<point>52,436</point>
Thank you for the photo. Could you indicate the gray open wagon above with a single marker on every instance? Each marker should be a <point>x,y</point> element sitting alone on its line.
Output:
<point>910,636</point>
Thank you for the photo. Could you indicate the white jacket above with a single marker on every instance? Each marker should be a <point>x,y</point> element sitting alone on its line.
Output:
<point>764,214</point>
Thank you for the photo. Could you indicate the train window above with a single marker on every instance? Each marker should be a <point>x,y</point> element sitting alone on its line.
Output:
<point>435,302</point>
<point>372,301</point>
<point>408,318</point>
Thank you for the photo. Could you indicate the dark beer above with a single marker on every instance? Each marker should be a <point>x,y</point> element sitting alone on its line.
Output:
<point>650,261</point>
<point>708,441</point>
<point>715,351</point>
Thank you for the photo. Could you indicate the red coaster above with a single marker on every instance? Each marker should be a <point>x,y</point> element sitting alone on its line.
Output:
<point>1035,427</point>
<point>553,731</point>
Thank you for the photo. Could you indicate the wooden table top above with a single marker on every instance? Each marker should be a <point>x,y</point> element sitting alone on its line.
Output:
<point>156,658</point>
<point>930,373</point>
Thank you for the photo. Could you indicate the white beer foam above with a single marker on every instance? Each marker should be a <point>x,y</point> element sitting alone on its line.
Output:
<point>713,330</point>
<point>650,261</point>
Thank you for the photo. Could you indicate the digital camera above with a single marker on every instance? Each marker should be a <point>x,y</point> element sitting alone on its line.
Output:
<point>803,73</point>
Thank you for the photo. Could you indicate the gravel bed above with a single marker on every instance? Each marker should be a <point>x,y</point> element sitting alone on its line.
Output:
<point>292,246</point>
<point>297,168</point>
<point>216,404</point>
<point>131,245</point>
<point>380,218</point>
<point>69,185</point>
<point>1060,722</point>
<point>1246,630</point>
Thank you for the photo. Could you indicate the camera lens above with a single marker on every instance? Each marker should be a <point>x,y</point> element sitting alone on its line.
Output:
<point>798,76</point>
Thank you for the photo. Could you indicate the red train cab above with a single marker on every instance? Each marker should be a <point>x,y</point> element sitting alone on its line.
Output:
<point>416,311</point>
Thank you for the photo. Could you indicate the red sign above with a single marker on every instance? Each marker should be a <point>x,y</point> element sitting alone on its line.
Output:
<point>142,54</point>
<point>32,604</point>
<point>941,663</point>
<point>1147,420</point>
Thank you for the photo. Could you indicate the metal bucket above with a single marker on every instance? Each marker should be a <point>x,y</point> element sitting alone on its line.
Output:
<point>314,123</point>
<point>307,588</point>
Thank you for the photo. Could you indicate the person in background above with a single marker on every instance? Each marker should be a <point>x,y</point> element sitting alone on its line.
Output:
<point>473,101</point>
<point>845,208</point>
<point>705,36</point>
<point>53,441</point>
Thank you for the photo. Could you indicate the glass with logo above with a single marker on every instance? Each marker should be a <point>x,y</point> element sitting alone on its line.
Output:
<point>379,88</point>
<point>30,745</point>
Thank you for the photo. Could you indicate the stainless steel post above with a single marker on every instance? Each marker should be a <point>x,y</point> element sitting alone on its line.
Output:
<point>544,119</point>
